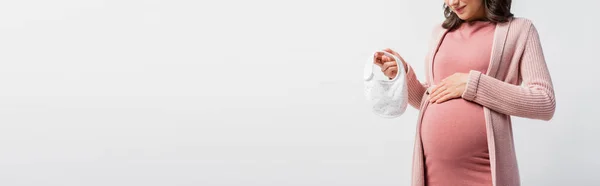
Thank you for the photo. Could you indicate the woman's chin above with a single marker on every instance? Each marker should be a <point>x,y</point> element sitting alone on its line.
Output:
<point>464,17</point>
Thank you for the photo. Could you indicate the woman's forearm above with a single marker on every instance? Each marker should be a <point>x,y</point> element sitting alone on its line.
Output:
<point>416,89</point>
<point>534,99</point>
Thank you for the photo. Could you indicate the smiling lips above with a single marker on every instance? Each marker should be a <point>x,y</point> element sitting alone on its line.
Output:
<point>459,10</point>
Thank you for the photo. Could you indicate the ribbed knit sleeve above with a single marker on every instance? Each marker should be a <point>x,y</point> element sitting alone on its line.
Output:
<point>415,88</point>
<point>533,99</point>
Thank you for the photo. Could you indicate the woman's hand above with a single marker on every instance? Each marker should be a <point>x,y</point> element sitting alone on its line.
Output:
<point>387,64</point>
<point>450,88</point>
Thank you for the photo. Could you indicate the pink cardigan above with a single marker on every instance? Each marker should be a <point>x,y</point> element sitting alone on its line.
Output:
<point>517,83</point>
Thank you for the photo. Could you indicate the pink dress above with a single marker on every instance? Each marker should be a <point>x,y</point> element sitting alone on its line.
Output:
<point>454,132</point>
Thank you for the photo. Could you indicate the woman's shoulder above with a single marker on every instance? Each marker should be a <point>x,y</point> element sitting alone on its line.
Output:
<point>523,26</point>
<point>521,22</point>
<point>519,30</point>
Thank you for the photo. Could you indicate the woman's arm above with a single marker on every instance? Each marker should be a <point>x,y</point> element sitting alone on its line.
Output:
<point>415,88</point>
<point>534,99</point>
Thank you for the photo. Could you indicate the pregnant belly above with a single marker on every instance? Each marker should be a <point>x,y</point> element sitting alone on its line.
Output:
<point>454,141</point>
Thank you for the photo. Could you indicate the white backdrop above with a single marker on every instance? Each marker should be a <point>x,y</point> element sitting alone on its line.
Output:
<point>252,93</point>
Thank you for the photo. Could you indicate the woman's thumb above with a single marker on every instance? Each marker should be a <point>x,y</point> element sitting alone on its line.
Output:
<point>389,50</point>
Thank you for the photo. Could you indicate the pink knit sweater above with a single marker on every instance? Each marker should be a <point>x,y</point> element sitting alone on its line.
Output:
<point>517,83</point>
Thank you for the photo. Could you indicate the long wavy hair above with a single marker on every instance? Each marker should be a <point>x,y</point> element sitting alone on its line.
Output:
<point>497,11</point>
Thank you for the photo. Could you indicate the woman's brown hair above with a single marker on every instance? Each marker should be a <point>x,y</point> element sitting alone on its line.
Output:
<point>497,11</point>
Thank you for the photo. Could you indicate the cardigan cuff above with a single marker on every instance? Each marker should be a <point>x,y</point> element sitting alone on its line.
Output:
<point>472,84</point>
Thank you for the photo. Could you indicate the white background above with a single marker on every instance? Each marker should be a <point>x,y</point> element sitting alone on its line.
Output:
<point>245,93</point>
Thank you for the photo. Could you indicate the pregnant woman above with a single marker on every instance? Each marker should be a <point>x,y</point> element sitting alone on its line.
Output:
<point>484,66</point>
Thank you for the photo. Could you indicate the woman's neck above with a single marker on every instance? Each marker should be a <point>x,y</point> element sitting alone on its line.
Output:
<point>483,18</point>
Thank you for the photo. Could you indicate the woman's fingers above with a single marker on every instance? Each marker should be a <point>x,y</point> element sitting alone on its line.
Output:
<point>391,72</point>
<point>435,89</point>
<point>387,65</point>
<point>444,92</point>
<point>439,95</point>
<point>387,58</point>
<point>386,61</point>
<point>395,54</point>
<point>445,98</point>
<point>377,59</point>
<point>389,50</point>
<point>438,91</point>
<point>449,88</point>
